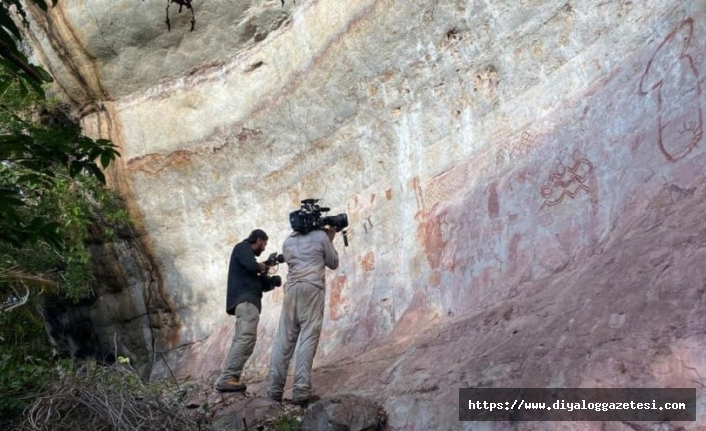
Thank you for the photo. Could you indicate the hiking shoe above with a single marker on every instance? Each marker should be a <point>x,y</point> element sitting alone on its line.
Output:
<point>231,385</point>
<point>304,402</point>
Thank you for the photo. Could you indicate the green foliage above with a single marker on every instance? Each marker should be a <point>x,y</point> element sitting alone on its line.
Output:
<point>81,209</point>
<point>110,209</point>
<point>18,70</point>
<point>20,381</point>
<point>52,197</point>
<point>288,423</point>
<point>31,150</point>
<point>50,180</point>
<point>23,370</point>
<point>32,157</point>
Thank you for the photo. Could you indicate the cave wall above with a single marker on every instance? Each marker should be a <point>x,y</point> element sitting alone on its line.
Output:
<point>476,146</point>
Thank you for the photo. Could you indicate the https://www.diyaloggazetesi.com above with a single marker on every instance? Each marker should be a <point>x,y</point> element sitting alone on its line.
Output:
<point>571,406</point>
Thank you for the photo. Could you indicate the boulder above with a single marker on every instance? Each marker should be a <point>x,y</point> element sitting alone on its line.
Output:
<point>343,413</point>
<point>246,413</point>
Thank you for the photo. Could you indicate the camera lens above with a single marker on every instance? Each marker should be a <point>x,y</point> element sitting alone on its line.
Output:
<point>343,221</point>
<point>338,222</point>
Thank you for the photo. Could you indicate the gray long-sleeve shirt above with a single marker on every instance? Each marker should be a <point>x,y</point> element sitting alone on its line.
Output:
<point>307,255</point>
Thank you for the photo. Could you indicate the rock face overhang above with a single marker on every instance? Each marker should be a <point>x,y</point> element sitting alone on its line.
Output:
<point>479,148</point>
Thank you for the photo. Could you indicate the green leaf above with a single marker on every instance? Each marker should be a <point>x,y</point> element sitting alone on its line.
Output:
<point>93,169</point>
<point>5,83</point>
<point>9,25</point>
<point>23,89</point>
<point>74,168</point>
<point>35,178</point>
<point>9,65</point>
<point>8,201</point>
<point>43,74</point>
<point>106,158</point>
<point>33,84</point>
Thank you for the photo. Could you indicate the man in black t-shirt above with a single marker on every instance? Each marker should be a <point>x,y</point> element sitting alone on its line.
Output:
<point>244,301</point>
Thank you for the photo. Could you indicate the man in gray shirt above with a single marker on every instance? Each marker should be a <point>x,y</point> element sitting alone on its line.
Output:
<point>307,256</point>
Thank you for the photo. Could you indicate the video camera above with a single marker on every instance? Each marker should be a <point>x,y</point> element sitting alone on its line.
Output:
<point>309,217</point>
<point>273,281</point>
<point>274,259</point>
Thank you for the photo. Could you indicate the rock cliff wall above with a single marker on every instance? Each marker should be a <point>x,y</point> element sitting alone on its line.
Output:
<point>482,150</point>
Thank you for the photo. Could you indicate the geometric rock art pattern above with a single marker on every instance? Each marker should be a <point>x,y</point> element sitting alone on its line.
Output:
<point>440,188</point>
<point>567,181</point>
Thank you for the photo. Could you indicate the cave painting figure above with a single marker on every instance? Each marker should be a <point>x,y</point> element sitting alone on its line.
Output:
<point>673,75</point>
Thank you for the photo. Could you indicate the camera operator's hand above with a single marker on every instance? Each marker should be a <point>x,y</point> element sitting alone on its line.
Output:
<point>331,232</point>
<point>262,266</point>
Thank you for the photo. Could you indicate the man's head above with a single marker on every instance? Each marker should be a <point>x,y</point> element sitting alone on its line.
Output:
<point>258,241</point>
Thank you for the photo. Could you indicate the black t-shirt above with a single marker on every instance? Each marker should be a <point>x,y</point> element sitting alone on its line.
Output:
<point>244,283</point>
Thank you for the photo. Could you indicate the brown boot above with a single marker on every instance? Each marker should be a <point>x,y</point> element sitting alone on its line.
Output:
<point>231,385</point>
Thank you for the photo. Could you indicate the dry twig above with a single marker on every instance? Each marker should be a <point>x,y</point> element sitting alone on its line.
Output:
<point>110,398</point>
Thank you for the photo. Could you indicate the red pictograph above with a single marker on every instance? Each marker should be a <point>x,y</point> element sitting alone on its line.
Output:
<point>368,262</point>
<point>567,181</point>
<point>439,188</point>
<point>517,147</point>
<point>546,219</point>
<point>672,74</point>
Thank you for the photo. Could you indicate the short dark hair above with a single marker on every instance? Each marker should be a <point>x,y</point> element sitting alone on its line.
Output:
<point>255,235</point>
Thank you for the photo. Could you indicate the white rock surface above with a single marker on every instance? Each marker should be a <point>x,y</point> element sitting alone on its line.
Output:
<point>478,147</point>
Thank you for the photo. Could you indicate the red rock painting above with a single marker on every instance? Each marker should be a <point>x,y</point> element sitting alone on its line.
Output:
<point>672,74</point>
<point>567,181</point>
<point>368,262</point>
<point>335,303</point>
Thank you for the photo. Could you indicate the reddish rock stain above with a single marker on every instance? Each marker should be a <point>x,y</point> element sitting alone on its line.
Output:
<point>493,204</point>
<point>368,261</point>
<point>435,279</point>
<point>335,301</point>
<point>429,233</point>
<point>512,254</point>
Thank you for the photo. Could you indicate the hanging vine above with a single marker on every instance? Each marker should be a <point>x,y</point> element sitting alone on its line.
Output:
<point>182,4</point>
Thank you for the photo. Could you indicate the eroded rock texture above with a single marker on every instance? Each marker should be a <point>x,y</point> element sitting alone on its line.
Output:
<point>524,180</point>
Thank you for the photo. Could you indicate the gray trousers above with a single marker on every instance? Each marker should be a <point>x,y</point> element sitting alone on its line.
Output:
<point>299,326</point>
<point>247,318</point>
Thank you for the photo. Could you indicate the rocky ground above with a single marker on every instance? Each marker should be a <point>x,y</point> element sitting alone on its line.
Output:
<point>247,411</point>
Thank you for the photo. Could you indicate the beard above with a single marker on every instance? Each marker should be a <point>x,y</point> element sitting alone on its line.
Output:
<point>257,252</point>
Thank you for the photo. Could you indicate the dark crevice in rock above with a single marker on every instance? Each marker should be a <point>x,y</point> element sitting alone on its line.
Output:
<point>254,66</point>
